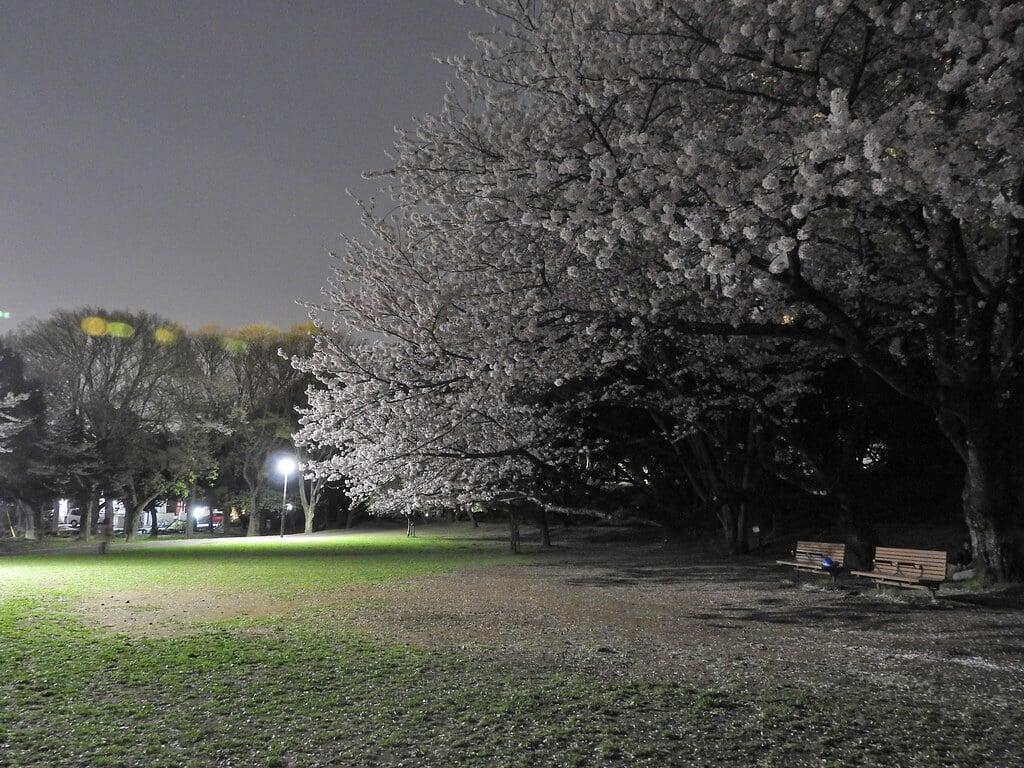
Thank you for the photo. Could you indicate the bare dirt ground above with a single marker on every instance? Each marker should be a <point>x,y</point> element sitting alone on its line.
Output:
<point>646,610</point>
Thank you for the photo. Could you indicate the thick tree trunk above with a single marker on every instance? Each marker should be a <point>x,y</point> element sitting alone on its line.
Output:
<point>513,532</point>
<point>27,520</point>
<point>991,506</point>
<point>254,518</point>
<point>88,517</point>
<point>988,441</point>
<point>730,528</point>
<point>732,520</point>
<point>308,497</point>
<point>545,529</point>
<point>859,538</point>
<point>134,514</point>
<point>132,517</point>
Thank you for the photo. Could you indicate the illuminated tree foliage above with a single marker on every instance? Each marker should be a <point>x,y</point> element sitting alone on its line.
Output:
<point>10,424</point>
<point>20,419</point>
<point>836,178</point>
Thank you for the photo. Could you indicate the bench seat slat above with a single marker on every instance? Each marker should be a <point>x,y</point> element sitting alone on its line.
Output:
<point>912,568</point>
<point>803,566</point>
<point>808,556</point>
<point>893,577</point>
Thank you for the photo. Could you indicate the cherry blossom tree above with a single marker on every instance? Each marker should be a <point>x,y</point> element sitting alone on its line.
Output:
<point>21,417</point>
<point>12,395</point>
<point>844,177</point>
<point>10,424</point>
<point>412,424</point>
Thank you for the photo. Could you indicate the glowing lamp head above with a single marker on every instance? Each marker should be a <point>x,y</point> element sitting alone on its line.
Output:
<point>286,466</point>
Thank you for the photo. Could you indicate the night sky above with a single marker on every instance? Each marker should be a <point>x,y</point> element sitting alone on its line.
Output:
<point>190,157</point>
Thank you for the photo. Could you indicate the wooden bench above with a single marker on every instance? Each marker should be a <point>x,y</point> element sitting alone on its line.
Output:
<point>910,568</point>
<point>817,557</point>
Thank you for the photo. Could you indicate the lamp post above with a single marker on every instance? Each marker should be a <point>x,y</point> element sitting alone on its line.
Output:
<point>285,466</point>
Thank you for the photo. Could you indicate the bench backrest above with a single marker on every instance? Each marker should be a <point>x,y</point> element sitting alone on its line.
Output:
<point>812,552</point>
<point>921,564</point>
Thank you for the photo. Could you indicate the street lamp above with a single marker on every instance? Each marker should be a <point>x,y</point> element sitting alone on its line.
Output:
<point>285,466</point>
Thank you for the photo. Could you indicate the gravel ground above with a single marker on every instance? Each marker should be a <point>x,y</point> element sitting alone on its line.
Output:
<point>645,610</point>
<point>638,610</point>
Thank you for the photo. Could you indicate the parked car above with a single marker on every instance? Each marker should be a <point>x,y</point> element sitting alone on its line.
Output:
<point>172,526</point>
<point>198,524</point>
<point>203,521</point>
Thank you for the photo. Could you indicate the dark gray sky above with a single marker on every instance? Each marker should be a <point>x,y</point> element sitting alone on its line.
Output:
<point>190,157</point>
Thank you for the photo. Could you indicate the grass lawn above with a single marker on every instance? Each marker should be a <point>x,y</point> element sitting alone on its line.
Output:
<point>297,685</point>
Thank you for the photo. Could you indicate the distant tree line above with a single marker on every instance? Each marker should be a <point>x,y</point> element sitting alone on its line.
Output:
<point>131,407</point>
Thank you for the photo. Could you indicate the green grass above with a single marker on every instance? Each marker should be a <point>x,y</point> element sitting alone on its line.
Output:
<point>302,689</point>
<point>298,566</point>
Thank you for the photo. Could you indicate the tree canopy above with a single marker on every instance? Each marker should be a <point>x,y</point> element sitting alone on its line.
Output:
<point>697,204</point>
